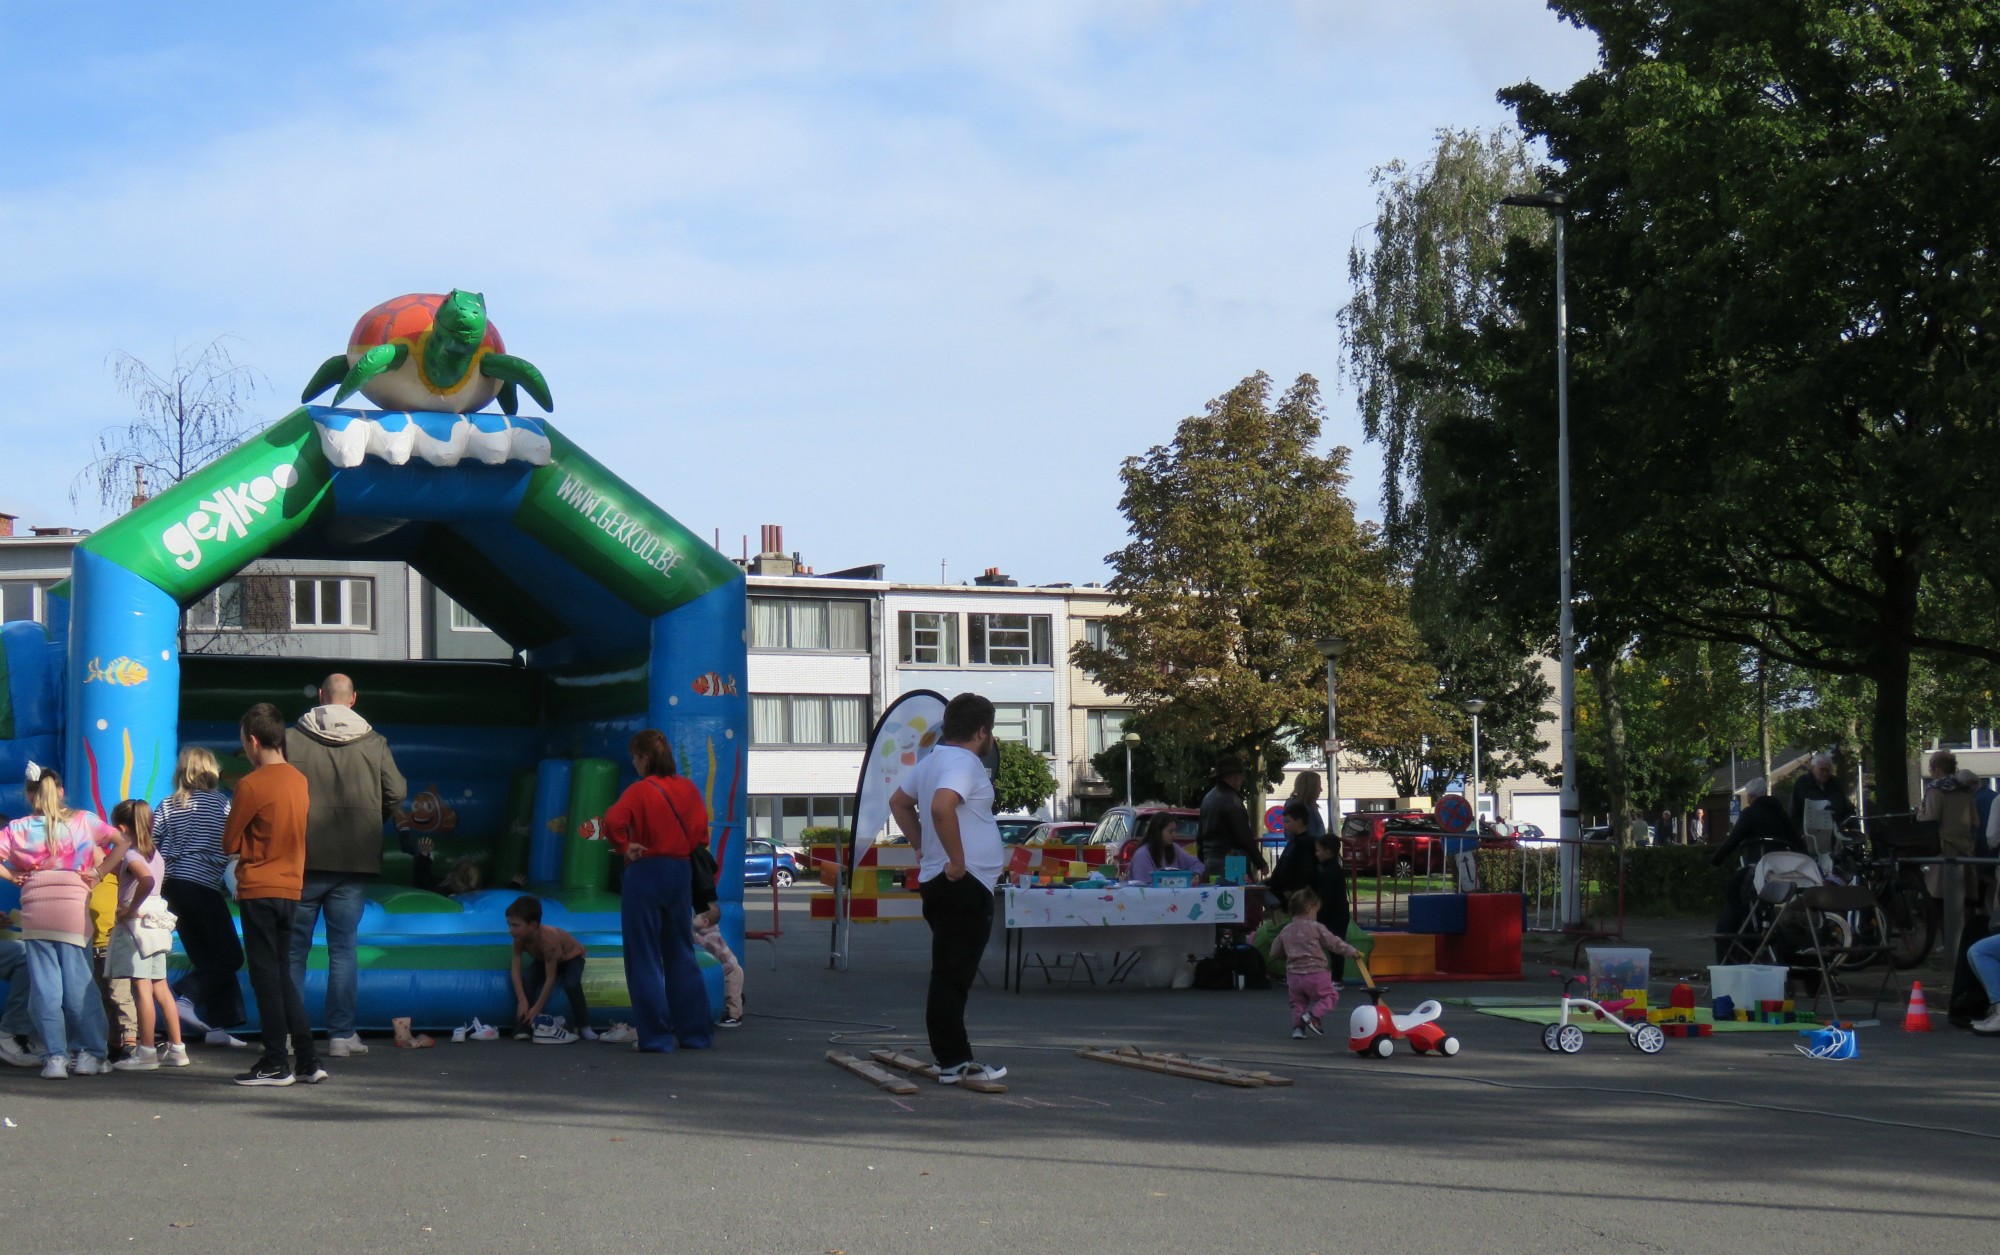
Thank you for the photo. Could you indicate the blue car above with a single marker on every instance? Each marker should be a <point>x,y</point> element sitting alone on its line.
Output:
<point>764,863</point>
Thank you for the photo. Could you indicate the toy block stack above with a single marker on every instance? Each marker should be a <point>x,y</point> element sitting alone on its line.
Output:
<point>878,888</point>
<point>1403,954</point>
<point>1476,934</point>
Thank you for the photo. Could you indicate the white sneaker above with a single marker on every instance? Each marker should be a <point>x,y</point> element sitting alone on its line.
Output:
<point>190,1022</point>
<point>1990,1026</point>
<point>458,1034</point>
<point>972,1071</point>
<point>12,1052</point>
<point>218,1037</point>
<point>551,1031</point>
<point>482,1032</point>
<point>142,1059</point>
<point>174,1055</point>
<point>90,1065</point>
<point>619,1034</point>
<point>341,1047</point>
<point>55,1068</point>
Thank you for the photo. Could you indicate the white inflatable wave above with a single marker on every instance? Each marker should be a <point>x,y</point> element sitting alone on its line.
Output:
<point>349,437</point>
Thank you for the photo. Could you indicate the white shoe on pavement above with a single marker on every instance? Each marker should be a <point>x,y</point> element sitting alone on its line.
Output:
<point>551,1031</point>
<point>142,1059</point>
<point>11,1051</point>
<point>174,1055</point>
<point>341,1047</point>
<point>1990,1026</point>
<point>969,1071</point>
<point>218,1037</point>
<point>90,1065</point>
<point>619,1034</point>
<point>55,1068</point>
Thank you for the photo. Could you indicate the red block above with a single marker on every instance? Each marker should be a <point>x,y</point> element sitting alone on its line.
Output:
<point>1491,942</point>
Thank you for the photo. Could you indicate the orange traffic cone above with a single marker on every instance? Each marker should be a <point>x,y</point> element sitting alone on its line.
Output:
<point>1918,1018</point>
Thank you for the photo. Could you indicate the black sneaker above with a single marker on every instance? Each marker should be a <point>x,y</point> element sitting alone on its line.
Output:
<point>312,1075</point>
<point>730,1021</point>
<point>267,1074</point>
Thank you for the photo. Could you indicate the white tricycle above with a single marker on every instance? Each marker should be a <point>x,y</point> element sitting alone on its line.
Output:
<point>1566,1038</point>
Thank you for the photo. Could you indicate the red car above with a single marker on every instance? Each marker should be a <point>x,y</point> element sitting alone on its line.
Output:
<point>1402,843</point>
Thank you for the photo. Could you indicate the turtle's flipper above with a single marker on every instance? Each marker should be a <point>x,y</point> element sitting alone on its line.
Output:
<point>509,399</point>
<point>379,360</point>
<point>517,370</point>
<point>329,373</point>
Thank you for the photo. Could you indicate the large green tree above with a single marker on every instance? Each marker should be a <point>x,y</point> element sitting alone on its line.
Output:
<point>1782,260</point>
<point>1244,549</point>
<point>1423,280</point>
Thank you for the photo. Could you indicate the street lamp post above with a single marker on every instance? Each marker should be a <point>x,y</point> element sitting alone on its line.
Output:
<point>1571,908</point>
<point>1330,648</point>
<point>1473,706</point>
<point>1130,739</point>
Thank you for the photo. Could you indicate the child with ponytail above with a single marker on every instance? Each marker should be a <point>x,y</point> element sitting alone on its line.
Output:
<point>142,936</point>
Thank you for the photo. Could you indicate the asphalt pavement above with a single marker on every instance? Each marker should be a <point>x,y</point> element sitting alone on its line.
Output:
<point>1730,1144</point>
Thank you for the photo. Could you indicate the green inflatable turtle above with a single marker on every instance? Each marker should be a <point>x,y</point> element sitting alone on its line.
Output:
<point>429,352</point>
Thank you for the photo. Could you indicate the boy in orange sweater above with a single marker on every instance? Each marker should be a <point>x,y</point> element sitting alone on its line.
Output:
<point>267,833</point>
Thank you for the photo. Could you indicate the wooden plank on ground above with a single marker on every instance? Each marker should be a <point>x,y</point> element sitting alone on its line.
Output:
<point>870,1073</point>
<point>911,1064</point>
<point>1180,1066</point>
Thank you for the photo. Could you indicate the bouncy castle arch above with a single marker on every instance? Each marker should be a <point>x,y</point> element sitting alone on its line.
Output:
<point>634,619</point>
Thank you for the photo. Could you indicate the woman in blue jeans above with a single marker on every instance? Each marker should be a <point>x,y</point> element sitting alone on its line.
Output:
<point>656,825</point>
<point>1985,958</point>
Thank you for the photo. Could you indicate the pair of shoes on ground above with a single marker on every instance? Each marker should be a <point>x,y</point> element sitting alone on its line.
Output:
<point>971,1070</point>
<point>553,1030</point>
<point>59,1067</point>
<point>279,1074</point>
<point>151,1059</point>
<point>475,1031</point>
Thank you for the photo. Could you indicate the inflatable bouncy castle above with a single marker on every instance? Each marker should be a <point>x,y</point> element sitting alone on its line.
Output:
<point>620,619</point>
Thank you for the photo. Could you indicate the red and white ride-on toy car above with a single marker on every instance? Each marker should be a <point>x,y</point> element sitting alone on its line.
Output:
<point>1375,1029</point>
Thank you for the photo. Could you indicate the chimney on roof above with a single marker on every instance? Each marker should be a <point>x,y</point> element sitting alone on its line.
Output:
<point>993,579</point>
<point>7,524</point>
<point>771,558</point>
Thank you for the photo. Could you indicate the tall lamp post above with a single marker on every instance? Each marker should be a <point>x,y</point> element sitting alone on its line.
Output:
<point>1130,739</point>
<point>1330,648</point>
<point>1473,706</point>
<point>1557,206</point>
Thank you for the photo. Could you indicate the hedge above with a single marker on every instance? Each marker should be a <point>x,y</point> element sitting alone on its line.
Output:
<point>1659,880</point>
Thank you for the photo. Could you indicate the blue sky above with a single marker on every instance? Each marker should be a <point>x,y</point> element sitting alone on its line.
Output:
<point>909,279</point>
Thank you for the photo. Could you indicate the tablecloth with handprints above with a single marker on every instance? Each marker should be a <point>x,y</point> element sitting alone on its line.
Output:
<point>1126,904</point>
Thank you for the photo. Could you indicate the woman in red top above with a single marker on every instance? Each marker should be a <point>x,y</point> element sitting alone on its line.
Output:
<point>656,824</point>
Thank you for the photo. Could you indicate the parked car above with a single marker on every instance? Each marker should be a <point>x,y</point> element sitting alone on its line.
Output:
<point>1122,826</point>
<point>765,863</point>
<point>1063,832</point>
<point>1014,829</point>
<point>1394,843</point>
<point>1529,833</point>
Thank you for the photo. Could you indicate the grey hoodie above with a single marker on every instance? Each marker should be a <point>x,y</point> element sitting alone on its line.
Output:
<point>353,785</point>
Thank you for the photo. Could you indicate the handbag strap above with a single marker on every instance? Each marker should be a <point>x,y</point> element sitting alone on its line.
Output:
<point>673,810</point>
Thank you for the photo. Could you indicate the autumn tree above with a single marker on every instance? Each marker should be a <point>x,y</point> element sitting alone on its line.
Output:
<point>1244,550</point>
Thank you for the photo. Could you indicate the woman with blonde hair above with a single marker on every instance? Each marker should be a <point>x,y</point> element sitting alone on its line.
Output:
<point>188,830</point>
<point>52,854</point>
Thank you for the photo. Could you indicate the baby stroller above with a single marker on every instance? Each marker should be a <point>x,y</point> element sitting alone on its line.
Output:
<point>1770,934</point>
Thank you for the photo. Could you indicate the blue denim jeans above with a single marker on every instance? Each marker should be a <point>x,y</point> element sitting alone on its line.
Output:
<point>16,1019</point>
<point>669,998</point>
<point>341,897</point>
<point>63,995</point>
<point>1985,958</point>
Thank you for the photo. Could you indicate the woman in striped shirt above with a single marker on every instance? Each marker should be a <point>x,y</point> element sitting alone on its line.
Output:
<point>188,831</point>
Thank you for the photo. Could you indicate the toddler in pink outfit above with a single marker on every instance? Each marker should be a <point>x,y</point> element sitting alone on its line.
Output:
<point>1305,943</point>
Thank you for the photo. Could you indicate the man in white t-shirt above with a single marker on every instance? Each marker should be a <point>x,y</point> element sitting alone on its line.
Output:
<point>945,808</point>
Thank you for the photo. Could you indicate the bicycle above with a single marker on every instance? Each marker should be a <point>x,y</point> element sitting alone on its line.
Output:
<point>1904,925</point>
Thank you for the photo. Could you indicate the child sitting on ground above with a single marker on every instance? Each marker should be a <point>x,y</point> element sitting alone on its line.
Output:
<point>545,957</point>
<point>1305,943</point>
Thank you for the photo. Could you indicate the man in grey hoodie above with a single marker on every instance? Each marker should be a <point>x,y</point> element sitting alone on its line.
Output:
<point>354,788</point>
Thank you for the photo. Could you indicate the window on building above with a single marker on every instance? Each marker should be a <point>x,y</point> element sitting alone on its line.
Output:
<point>347,604</point>
<point>790,719</point>
<point>1105,729</point>
<point>784,819</point>
<point>807,623</point>
<point>24,600</point>
<point>1097,635</point>
<point>462,620</point>
<point>929,637</point>
<point>1030,723</point>
<point>221,610</point>
<point>1008,640</point>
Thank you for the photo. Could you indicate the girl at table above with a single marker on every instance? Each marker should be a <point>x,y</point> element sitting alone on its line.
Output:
<point>1158,852</point>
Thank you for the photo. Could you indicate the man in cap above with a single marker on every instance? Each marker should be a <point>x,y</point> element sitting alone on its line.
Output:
<point>1225,822</point>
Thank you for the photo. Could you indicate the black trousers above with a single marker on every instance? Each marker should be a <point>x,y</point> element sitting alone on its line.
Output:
<point>1968,995</point>
<point>208,935</point>
<point>281,1011</point>
<point>569,979</point>
<point>960,914</point>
